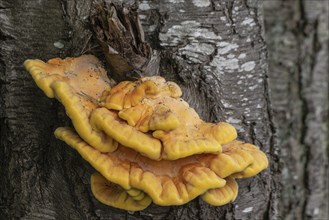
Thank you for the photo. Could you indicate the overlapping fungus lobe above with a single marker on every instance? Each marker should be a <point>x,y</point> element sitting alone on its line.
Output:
<point>147,144</point>
<point>178,127</point>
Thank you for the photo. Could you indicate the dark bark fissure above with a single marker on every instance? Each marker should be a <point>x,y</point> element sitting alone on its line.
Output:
<point>300,35</point>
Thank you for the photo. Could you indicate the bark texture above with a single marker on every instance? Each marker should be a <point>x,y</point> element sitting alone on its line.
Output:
<point>215,50</point>
<point>297,36</point>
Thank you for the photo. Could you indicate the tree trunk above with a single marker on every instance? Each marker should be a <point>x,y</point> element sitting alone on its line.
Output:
<point>215,50</point>
<point>297,36</point>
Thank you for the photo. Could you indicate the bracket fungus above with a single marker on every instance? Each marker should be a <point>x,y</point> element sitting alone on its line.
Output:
<point>69,81</point>
<point>145,142</point>
<point>152,104</point>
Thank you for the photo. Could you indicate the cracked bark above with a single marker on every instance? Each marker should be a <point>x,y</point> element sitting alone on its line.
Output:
<point>215,52</point>
<point>298,43</point>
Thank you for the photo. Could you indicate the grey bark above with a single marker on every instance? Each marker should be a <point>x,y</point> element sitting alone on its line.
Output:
<point>297,35</point>
<point>215,50</point>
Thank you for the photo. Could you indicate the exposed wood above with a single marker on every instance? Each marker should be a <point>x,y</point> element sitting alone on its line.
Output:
<point>121,36</point>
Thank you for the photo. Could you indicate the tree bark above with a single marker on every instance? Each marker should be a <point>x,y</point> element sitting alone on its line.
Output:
<point>297,37</point>
<point>215,50</point>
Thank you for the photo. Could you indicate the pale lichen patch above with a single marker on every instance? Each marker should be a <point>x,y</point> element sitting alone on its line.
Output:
<point>225,47</point>
<point>246,210</point>
<point>188,29</point>
<point>242,56</point>
<point>197,52</point>
<point>226,104</point>
<point>220,63</point>
<point>59,45</point>
<point>152,28</point>
<point>202,48</point>
<point>142,17</point>
<point>201,3</point>
<point>176,1</point>
<point>232,120</point>
<point>316,211</point>
<point>248,21</point>
<point>252,88</point>
<point>143,6</point>
<point>248,66</point>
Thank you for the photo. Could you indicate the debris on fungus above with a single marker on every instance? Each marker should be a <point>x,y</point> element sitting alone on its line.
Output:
<point>145,142</point>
